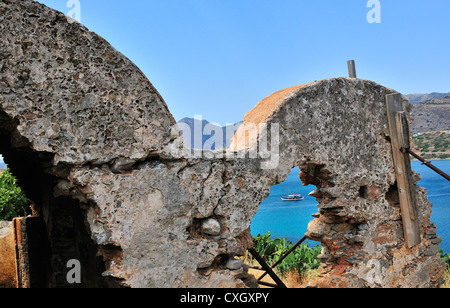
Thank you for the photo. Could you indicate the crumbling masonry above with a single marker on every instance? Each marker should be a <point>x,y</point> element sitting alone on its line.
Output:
<point>97,151</point>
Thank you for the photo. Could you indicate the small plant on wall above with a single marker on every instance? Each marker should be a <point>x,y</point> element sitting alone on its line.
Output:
<point>445,257</point>
<point>301,260</point>
<point>13,202</point>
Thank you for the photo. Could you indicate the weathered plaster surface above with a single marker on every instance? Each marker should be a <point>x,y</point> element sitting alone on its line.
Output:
<point>71,90</point>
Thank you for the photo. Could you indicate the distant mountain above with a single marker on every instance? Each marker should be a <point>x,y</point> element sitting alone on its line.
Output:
<point>189,127</point>
<point>431,115</point>
<point>418,98</point>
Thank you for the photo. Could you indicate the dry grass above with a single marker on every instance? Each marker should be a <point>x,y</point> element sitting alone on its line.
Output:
<point>291,280</point>
<point>446,284</point>
<point>258,273</point>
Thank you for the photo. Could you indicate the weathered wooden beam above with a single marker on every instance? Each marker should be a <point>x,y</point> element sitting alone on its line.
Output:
<point>399,134</point>
<point>403,130</point>
<point>284,256</point>
<point>267,268</point>
<point>22,260</point>
<point>267,284</point>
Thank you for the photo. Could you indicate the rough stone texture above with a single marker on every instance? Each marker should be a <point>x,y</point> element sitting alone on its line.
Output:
<point>69,89</point>
<point>103,141</point>
<point>234,264</point>
<point>211,227</point>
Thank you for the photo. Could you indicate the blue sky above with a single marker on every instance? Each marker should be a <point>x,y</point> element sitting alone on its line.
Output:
<point>218,58</point>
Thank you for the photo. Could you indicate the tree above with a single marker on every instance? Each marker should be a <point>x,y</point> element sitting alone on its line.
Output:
<point>13,202</point>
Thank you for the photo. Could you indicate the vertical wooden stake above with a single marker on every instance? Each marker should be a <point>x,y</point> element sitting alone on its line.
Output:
<point>399,133</point>
<point>351,69</point>
<point>22,261</point>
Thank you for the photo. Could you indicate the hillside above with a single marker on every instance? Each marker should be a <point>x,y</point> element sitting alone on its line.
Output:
<point>431,115</point>
<point>418,98</point>
<point>433,145</point>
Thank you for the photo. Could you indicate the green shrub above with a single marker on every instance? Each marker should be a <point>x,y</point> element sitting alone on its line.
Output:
<point>445,257</point>
<point>13,202</point>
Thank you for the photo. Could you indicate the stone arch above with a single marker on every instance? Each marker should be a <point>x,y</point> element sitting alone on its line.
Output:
<point>105,149</point>
<point>336,131</point>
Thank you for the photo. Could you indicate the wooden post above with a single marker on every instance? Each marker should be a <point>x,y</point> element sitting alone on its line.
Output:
<point>399,134</point>
<point>22,261</point>
<point>351,69</point>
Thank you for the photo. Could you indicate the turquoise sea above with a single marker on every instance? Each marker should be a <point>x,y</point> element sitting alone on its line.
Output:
<point>290,219</point>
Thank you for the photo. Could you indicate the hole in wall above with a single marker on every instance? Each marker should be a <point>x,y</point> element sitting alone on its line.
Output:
<point>285,219</point>
<point>363,192</point>
<point>284,216</point>
<point>392,196</point>
<point>13,202</point>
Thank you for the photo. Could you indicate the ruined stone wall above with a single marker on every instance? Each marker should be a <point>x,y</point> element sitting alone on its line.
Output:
<point>336,131</point>
<point>102,143</point>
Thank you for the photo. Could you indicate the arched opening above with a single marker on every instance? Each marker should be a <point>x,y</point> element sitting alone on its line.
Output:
<point>13,202</point>
<point>286,219</point>
<point>54,232</point>
<point>280,226</point>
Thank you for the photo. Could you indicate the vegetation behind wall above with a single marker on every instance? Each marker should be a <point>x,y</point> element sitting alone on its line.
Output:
<point>13,202</point>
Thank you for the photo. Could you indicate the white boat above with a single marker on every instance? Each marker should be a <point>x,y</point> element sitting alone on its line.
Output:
<point>295,197</point>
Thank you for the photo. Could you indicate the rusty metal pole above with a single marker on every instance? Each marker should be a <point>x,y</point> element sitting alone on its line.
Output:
<point>427,163</point>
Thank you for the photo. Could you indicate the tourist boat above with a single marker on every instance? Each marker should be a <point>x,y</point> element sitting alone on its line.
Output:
<point>295,197</point>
